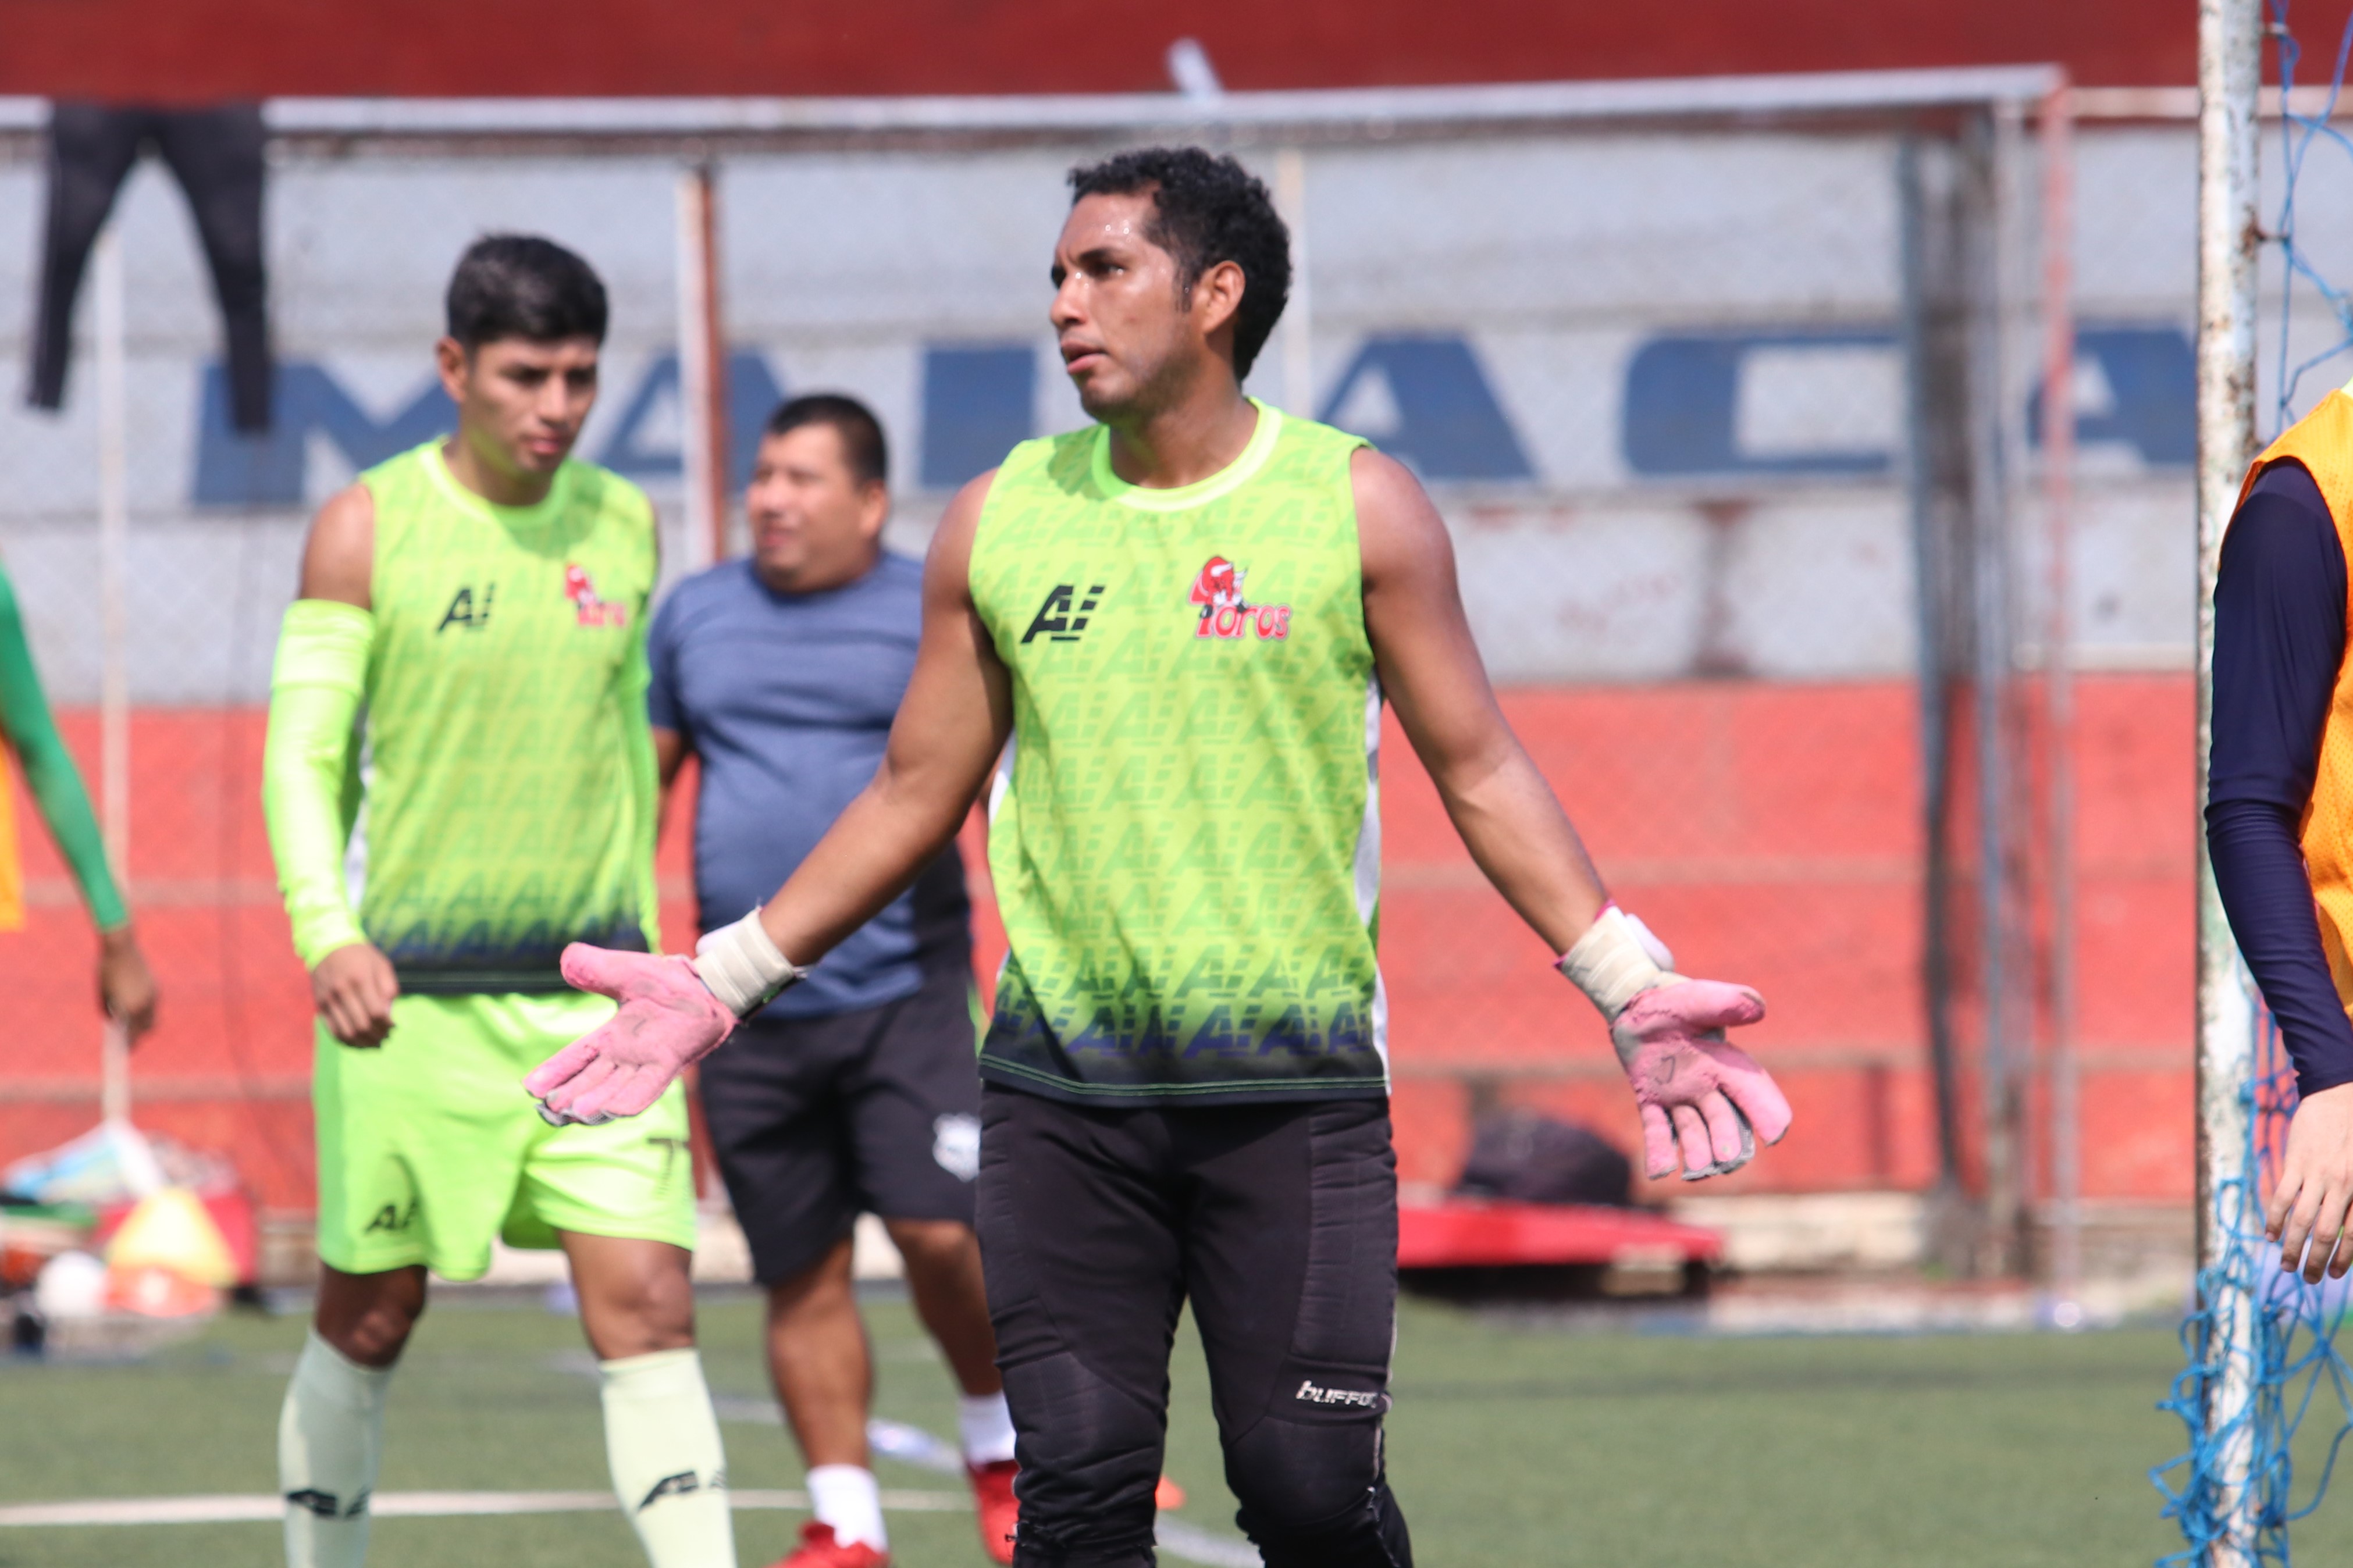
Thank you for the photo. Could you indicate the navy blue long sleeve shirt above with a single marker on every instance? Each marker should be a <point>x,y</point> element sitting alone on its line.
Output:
<point>2279,641</point>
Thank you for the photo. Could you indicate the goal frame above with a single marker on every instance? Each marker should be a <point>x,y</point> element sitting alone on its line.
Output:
<point>2230,74</point>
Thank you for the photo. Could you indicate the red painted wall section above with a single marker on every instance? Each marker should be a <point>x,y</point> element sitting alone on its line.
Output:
<point>1772,836</point>
<point>1770,833</point>
<point>196,50</point>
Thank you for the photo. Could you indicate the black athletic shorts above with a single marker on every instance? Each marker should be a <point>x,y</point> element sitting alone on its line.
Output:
<point>815,1121</point>
<point>1279,1224</point>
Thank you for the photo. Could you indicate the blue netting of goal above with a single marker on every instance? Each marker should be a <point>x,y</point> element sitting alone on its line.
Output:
<point>2301,135</point>
<point>2286,1356</point>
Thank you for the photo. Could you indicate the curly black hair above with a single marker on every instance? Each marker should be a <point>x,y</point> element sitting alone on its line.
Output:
<point>1207,209</point>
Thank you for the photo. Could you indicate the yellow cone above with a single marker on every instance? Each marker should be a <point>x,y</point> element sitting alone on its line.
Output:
<point>170,1230</point>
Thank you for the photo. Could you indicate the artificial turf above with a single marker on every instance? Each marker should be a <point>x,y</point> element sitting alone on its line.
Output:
<point>1511,1444</point>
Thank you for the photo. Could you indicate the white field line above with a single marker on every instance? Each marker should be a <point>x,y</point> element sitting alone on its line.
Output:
<point>231,1508</point>
<point>1182,1541</point>
<point>910,1445</point>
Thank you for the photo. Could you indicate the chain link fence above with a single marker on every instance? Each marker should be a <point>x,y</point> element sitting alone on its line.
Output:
<point>1699,380</point>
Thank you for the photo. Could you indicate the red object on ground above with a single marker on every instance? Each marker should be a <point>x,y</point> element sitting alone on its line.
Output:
<point>232,1210</point>
<point>159,1293</point>
<point>241,1226</point>
<point>1468,1234</point>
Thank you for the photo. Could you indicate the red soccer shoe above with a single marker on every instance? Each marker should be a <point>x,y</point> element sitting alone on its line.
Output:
<point>999,1511</point>
<point>818,1549</point>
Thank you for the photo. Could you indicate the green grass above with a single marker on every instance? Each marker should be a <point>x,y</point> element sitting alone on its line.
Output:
<point>1509,1446</point>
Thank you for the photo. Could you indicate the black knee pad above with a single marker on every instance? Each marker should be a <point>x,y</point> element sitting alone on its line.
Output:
<point>1312,1493</point>
<point>1370,1534</point>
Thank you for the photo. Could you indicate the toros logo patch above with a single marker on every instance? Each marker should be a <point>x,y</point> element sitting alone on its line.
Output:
<point>1225,613</point>
<point>592,610</point>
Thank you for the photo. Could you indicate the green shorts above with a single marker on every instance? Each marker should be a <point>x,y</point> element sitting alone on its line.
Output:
<point>428,1147</point>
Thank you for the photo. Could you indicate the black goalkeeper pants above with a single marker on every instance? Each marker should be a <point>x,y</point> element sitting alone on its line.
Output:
<point>1279,1224</point>
<point>216,154</point>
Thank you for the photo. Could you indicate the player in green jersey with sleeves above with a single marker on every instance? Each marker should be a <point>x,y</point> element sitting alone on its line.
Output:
<point>460,780</point>
<point>1187,619</point>
<point>126,990</point>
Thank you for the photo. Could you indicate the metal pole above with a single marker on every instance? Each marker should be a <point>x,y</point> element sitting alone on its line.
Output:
<point>2058,498</point>
<point>1986,247</point>
<point>1298,317</point>
<point>1929,477</point>
<point>113,576</point>
<point>2229,70</point>
<point>702,368</point>
<point>2021,351</point>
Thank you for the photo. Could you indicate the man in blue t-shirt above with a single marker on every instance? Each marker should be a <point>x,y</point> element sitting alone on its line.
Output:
<point>856,1090</point>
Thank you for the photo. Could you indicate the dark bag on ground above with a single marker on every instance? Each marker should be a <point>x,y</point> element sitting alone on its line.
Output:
<point>1525,1157</point>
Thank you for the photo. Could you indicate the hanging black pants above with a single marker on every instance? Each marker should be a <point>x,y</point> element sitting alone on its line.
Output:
<point>216,154</point>
<point>1279,1224</point>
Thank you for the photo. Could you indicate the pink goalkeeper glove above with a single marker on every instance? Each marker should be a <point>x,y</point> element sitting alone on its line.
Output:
<point>673,1013</point>
<point>1695,1089</point>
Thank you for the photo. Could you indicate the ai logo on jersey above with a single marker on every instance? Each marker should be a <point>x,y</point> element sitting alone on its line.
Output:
<point>592,610</point>
<point>466,611</point>
<point>393,1217</point>
<point>1065,614</point>
<point>1218,593</point>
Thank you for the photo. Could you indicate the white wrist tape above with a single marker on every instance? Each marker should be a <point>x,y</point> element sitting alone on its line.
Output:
<point>1615,961</point>
<point>742,966</point>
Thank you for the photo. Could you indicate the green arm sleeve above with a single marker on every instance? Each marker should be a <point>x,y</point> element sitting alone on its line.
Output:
<point>49,771</point>
<point>307,767</point>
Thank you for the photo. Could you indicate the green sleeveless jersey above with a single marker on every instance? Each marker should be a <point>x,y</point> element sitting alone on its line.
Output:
<point>1185,839</point>
<point>508,799</point>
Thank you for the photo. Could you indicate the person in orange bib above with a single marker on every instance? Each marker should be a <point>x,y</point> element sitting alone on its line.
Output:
<point>2279,808</point>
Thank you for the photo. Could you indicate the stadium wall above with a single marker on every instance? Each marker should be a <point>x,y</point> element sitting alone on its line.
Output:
<point>200,50</point>
<point>1771,868</point>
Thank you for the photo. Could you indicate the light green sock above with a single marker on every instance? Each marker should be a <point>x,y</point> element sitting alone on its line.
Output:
<point>668,1469</point>
<point>329,1439</point>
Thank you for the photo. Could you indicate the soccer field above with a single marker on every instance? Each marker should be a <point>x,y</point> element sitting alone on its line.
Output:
<point>1509,1445</point>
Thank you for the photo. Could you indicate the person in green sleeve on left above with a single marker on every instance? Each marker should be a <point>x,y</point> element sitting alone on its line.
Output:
<point>126,989</point>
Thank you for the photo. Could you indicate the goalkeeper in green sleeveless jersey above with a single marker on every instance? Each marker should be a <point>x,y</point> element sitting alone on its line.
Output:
<point>460,780</point>
<point>1185,621</point>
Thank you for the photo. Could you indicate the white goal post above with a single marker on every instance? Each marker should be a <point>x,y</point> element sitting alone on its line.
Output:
<point>2230,71</point>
